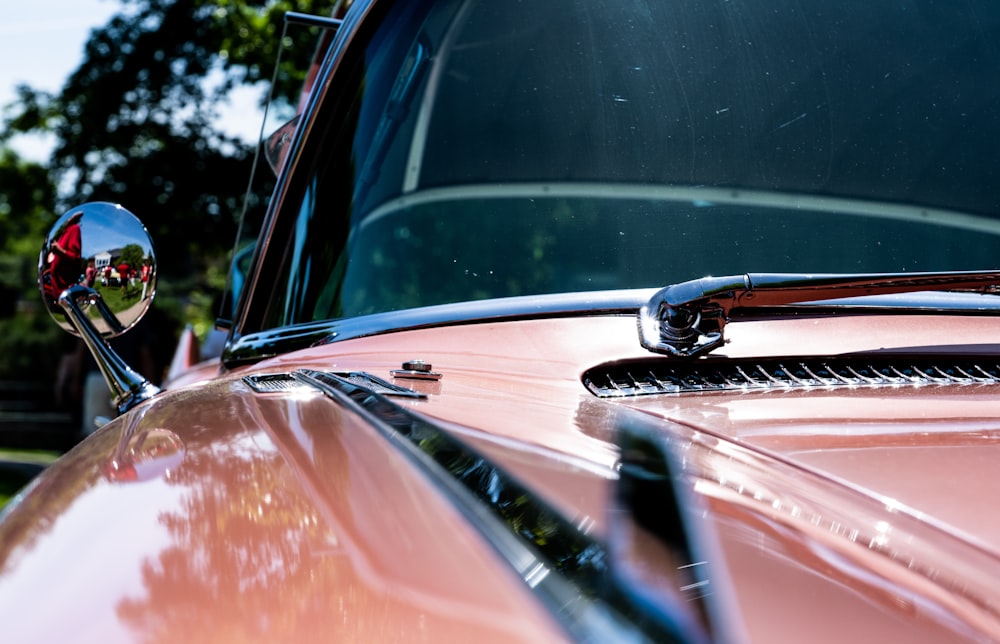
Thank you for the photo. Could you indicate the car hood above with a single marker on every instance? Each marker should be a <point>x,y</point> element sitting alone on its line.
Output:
<point>229,513</point>
<point>214,514</point>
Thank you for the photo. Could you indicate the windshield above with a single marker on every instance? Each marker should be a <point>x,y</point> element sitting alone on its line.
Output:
<point>471,149</point>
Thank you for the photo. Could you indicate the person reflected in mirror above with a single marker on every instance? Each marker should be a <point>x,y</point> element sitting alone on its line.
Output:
<point>146,273</point>
<point>64,258</point>
<point>123,277</point>
<point>90,275</point>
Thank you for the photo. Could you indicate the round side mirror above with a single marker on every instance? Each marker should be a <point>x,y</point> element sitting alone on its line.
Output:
<point>105,255</point>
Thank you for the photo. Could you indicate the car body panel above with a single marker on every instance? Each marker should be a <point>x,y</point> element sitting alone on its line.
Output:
<point>292,478</point>
<point>257,527</point>
<point>836,438</point>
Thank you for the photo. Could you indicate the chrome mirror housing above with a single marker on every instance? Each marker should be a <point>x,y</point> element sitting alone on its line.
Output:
<point>97,277</point>
<point>106,249</point>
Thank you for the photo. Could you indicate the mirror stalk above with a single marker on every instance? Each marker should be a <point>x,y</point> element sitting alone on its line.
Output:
<point>128,388</point>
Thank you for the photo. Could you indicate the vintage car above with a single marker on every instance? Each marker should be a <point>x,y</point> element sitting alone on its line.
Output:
<point>570,320</point>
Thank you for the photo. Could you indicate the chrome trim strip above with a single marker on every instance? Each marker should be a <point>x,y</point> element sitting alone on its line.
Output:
<point>254,347</point>
<point>258,346</point>
<point>257,278</point>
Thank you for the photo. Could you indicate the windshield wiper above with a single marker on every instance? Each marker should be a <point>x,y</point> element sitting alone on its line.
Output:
<point>687,319</point>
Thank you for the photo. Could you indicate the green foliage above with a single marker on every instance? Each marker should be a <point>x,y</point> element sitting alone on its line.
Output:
<point>31,345</point>
<point>133,255</point>
<point>152,82</point>
<point>29,342</point>
<point>137,123</point>
<point>27,195</point>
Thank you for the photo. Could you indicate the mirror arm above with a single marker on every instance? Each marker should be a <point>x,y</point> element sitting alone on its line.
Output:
<point>128,388</point>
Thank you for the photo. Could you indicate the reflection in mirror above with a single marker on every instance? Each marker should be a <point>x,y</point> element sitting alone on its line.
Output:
<point>106,250</point>
<point>276,145</point>
<point>97,276</point>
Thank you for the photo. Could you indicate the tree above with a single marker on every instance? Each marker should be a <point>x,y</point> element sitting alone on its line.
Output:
<point>137,122</point>
<point>29,343</point>
<point>132,255</point>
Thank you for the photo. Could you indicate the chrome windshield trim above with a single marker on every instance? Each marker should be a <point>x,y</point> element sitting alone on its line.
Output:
<point>265,344</point>
<point>258,346</point>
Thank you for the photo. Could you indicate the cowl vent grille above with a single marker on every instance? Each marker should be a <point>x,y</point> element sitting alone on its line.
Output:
<point>287,382</point>
<point>663,377</point>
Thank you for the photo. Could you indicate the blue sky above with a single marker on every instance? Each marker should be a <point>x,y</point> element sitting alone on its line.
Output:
<point>41,42</point>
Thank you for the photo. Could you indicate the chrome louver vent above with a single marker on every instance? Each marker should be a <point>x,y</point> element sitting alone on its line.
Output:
<point>678,377</point>
<point>273,383</point>
<point>284,382</point>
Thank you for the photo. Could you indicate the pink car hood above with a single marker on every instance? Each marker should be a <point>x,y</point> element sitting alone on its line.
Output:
<point>856,513</point>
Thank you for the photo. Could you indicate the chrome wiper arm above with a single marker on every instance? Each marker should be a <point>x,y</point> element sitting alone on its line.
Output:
<point>688,319</point>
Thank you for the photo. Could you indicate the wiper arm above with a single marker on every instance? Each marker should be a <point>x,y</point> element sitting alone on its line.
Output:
<point>687,319</point>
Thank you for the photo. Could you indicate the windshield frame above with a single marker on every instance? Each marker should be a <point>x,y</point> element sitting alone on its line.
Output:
<point>333,93</point>
<point>253,298</point>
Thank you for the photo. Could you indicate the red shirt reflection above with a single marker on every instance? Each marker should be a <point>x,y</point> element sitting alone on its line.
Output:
<point>65,257</point>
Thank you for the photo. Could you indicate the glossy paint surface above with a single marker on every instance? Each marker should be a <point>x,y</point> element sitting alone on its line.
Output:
<point>272,519</point>
<point>918,452</point>
<point>217,513</point>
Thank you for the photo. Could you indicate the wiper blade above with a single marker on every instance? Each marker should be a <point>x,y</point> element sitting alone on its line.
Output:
<point>688,319</point>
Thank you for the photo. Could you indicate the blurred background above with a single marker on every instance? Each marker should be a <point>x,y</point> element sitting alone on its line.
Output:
<point>152,104</point>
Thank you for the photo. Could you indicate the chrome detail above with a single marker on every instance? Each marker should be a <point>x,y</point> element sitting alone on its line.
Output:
<point>374,384</point>
<point>416,370</point>
<point>310,20</point>
<point>274,383</point>
<point>687,319</point>
<point>128,388</point>
<point>266,344</point>
<point>254,347</point>
<point>86,246</point>
<point>276,146</point>
<point>787,374</point>
<point>71,279</point>
<point>304,379</point>
<point>257,346</point>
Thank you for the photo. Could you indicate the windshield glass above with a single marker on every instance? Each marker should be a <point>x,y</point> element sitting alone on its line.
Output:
<point>471,149</point>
